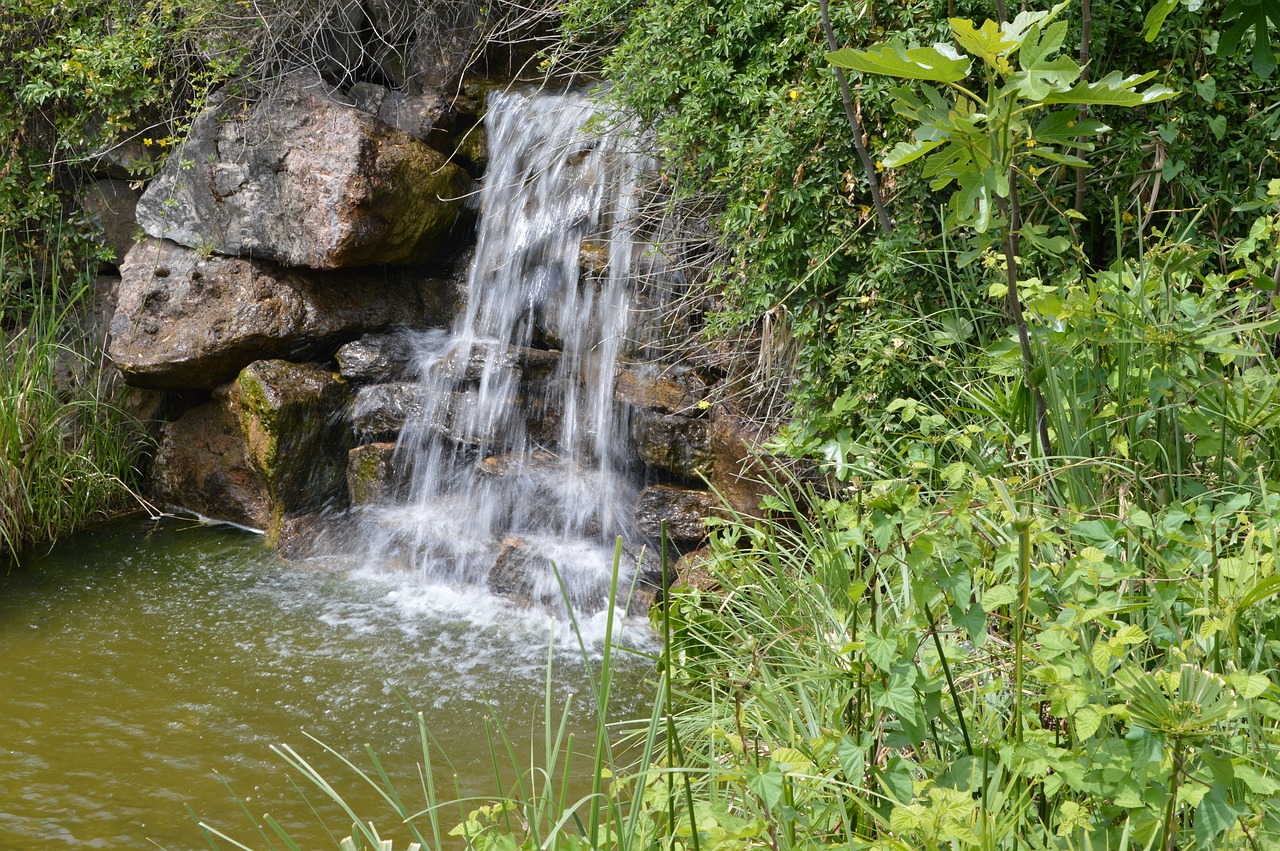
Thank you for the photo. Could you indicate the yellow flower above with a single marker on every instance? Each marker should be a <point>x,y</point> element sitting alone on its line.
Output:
<point>1031,143</point>
<point>1127,217</point>
<point>148,141</point>
<point>794,94</point>
<point>879,165</point>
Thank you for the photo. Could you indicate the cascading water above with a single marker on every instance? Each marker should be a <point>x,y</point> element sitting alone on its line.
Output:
<point>518,457</point>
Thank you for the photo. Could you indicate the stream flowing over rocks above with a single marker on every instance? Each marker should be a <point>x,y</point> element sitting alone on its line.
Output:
<point>442,353</point>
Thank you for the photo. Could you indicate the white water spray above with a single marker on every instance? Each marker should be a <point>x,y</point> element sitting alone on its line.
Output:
<point>518,458</point>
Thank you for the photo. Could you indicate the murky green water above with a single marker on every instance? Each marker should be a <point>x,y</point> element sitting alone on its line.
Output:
<point>138,660</point>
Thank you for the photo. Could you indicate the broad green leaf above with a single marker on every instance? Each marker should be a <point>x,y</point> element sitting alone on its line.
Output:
<point>1000,595</point>
<point>1087,720</point>
<point>1036,84</point>
<point>767,784</point>
<point>987,43</point>
<point>948,164</point>
<point>973,621</point>
<point>1214,814</point>
<point>852,760</point>
<point>1039,45</point>
<point>939,63</point>
<point>897,697</point>
<point>1113,90</point>
<point>1252,15</point>
<point>790,759</point>
<point>1249,685</point>
<point>1020,25</point>
<point>881,651</point>
<point>973,202</point>
<point>1069,160</point>
<point>1064,126</point>
<point>1155,18</point>
<point>907,152</point>
<point>1255,780</point>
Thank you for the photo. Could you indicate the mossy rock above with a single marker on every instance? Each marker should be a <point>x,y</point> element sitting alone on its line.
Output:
<point>297,434</point>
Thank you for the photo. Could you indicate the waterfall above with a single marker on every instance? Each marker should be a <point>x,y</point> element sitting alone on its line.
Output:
<point>518,457</point>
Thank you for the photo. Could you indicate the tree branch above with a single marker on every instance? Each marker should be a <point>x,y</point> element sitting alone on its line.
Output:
<point>877,198</point>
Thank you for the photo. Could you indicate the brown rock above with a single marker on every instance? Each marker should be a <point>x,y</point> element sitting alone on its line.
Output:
<point>676,445</point>
<point>373,476</point>
<point>671,390</point>
<point>303,179</point>
<point>684,510</point>
<point>295,435</point>
<point>738,474</point>
<point>201,466</point>
<point>183,320</point>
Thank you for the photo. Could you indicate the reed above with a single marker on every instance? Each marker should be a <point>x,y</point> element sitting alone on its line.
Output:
<point>66,452</point>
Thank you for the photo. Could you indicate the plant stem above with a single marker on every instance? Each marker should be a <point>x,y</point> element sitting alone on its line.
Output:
<point>1023,527</point>
<point>1014,301</point>
<point>873,183</point>
<point>951,683</point>
<point>1086,26</point>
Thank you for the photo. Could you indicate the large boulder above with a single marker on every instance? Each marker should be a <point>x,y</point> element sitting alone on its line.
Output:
<point>672,444</point>
<point>295,435</point>
<point>684,511</point>
<point>303,179</point>
<point>201,466</point>
<point>266,449</point>
<point>184,320</point>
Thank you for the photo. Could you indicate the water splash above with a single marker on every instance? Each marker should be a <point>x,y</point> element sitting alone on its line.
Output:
<point>519,455</point>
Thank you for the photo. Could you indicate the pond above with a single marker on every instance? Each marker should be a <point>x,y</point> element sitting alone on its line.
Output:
<point>144,663</point>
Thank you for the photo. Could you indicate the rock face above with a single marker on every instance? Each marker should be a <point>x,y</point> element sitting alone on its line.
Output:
<point>266,449</point>
<point>672,444</point>
<point>201,465</point>
<point>674,390</point>
<point>112,203</point>
<point>372,475</point>
<point>740,476</point>
<point>304,179</point>
<point>377,358</point>
<point>186,321</point>
<point>684,511</point>
<point>292,436</point>
<point>380,410</point>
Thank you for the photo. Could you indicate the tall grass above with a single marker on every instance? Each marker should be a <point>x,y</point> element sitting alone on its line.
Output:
<point>66,453</point>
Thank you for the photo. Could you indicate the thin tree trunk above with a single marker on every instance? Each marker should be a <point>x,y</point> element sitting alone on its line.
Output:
<point>1086,27</point>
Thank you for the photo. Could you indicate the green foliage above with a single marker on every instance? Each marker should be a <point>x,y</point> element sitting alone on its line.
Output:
<point>86,86</point>
<point>752,130</point>
<point>86,83</point>
<point>983,140</point>
<point>66,450</point>
<point>750,124</point>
